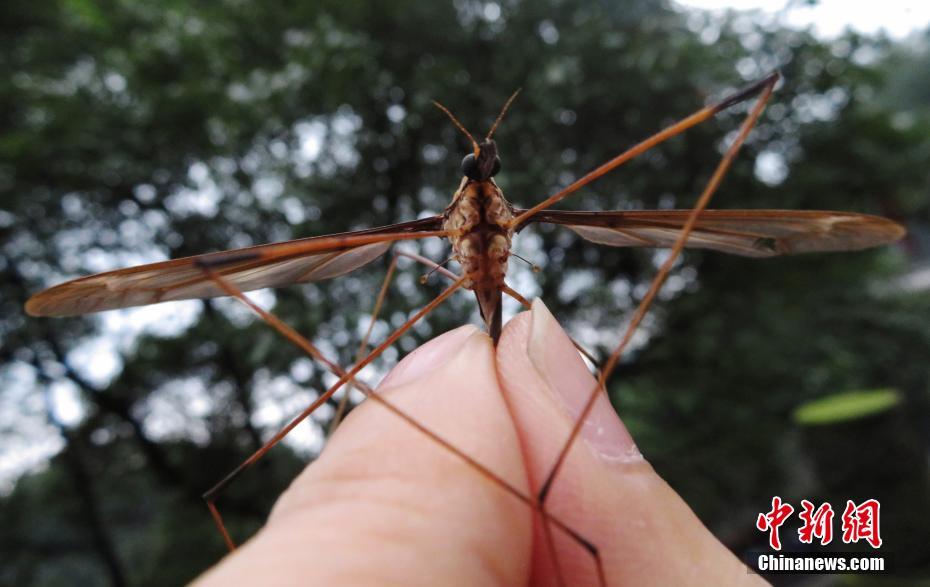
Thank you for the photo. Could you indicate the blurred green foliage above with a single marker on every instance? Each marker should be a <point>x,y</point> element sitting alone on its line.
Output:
<point>851,405</point>
<point>301,118</point>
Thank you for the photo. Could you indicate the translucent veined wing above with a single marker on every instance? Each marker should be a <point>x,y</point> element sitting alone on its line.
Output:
<point>749,233</point>
<point>251,268</point>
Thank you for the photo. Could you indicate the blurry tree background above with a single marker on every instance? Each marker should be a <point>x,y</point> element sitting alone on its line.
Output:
<point>137,131</point>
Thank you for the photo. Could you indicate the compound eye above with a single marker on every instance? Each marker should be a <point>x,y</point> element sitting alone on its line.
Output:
<point>470,167</point>
<point>497,166</point>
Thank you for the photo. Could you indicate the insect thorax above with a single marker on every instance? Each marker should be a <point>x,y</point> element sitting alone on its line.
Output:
<point>478,218</point>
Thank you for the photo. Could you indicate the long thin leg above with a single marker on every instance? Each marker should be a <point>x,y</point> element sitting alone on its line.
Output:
<point>640,148</point>
<point>382,293</point>
<point>310,349</point>
<point>657,282</point>
<point>360,353</point>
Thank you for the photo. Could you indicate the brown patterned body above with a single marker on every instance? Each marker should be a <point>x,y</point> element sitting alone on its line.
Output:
<point>479,224</point>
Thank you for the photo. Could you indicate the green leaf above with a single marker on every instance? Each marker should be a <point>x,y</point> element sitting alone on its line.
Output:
<point>842,407</point>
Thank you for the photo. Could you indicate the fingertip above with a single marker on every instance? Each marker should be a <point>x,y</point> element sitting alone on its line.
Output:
<point>536,356</point>
<point>430,357</point>
<point>423,388</point>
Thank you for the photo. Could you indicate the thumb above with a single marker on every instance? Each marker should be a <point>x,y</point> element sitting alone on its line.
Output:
<point>606,491</point>
<point>386,505</point>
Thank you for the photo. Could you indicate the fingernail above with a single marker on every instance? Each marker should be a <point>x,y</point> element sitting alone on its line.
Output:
<point>559,363</point>
<point>429,357</point>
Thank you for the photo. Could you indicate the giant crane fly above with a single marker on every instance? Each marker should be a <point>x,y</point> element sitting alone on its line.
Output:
<point>480,225</point>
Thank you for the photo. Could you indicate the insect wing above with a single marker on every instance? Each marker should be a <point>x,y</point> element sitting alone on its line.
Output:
<point>248,269</point>
<point>748,233</point>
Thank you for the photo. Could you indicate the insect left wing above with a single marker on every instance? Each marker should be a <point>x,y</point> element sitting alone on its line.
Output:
<point>251,268</point>
<point>749,233</point>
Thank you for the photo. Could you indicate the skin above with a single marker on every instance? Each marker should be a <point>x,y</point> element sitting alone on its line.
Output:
<point>383,505</point>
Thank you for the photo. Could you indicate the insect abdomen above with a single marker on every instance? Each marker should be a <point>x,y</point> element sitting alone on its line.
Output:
<point>479,218</point>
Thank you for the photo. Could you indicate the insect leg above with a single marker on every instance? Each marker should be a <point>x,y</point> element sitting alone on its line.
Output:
<point>765,84</point>
<point>360,353</point>
<point>382,293</point>
<point>657,282</point>
<point>312,351</point>
<point>547,531</point>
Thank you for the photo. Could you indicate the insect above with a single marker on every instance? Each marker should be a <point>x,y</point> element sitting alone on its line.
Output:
<point>480,225</point>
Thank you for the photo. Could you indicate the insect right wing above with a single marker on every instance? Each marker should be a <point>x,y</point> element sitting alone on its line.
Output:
<point>748,233</point>
<point>248,269</point>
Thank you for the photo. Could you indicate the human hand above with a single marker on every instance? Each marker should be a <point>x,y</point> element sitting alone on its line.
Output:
<point>385,505</point>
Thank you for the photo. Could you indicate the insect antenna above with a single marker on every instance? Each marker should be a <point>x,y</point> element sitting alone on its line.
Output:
<point>459,125</point>
<point>504,110</point>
